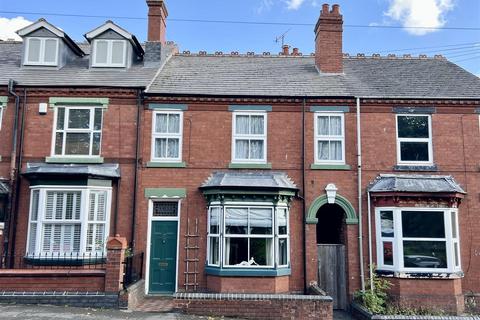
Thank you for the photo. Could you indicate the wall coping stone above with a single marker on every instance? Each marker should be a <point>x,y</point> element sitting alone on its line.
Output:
<point>42,273</point>
<point>249,296</point>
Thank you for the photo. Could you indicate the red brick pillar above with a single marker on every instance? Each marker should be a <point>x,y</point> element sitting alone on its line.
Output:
<point>114,271</point>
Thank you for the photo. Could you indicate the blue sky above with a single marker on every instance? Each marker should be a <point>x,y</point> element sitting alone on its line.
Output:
<point>463,44</point>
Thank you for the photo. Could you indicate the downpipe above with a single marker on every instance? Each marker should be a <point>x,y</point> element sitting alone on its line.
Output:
<point>360,218</point>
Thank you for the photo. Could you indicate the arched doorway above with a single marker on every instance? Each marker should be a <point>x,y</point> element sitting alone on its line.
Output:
<point>331,240</point>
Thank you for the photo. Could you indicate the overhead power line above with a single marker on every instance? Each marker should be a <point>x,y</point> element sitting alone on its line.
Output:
<point>238,21</point>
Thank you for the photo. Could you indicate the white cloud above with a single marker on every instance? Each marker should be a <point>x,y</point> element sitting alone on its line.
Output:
<point>294,4</point>
<point>9,26</point>
<point>420,13</point>
<point>265,5</point>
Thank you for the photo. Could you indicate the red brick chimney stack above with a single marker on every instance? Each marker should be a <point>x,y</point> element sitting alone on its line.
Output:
<point>157,15</point>
<point>328,40</point>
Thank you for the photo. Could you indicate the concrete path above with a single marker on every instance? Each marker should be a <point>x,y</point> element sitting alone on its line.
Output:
<point>342,315</point>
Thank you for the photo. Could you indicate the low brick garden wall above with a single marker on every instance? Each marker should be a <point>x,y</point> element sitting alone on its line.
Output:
<point>256,306</point>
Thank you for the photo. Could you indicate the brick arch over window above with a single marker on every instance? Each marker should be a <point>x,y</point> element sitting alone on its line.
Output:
<point>351,215</point>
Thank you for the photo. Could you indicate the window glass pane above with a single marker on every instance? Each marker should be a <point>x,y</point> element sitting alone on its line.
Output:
<point>414,151</point>
<point>79,118</point>
<point>58,143</point>
<point>323,150</point>
<point>60,118</point>
<point>34,50</point>
<point>77,144</point>
<point>282,251</point>
<point>174,123</point>
<point>424,254</point>
<point>282,221</point>
<point>453,216</point>
<point>101,48</point>
<point>423,224</point>
<point>457,254</point>
<point>256,149</point>
<point>34,213</point>
<point>118,52</point>
<point>336,126</point>
<point>97,121</point>
<point>386,221</point>
<point>32,241</point>
<point>241,149</point>
<point>323,125</point>
<point>160,148</point>
<point>388,253</point>
<point>261,251</point>
<point>242,124</point>
<point>214,250</point>
<point>214,220</point>
<point>236,221</point>
<point>165,209</point>
<point>257,125</point>
<point>261,221</point>
<point>50,50</point>
<point>412,127</point>
<point>96,144</point>
<point>161,123</point>
<point>173,148</point>
<point>336,150</point>
<point>236,251</point>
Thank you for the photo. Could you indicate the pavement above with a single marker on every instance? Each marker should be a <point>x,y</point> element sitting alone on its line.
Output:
<point>33,312</point>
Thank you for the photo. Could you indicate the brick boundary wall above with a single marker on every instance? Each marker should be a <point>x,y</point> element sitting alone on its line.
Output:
<point>72,299</point>
<point>256,306</point>
<point>131,297</point>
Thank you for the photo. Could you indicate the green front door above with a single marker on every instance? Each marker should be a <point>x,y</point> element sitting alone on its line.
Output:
<point>163,257</point>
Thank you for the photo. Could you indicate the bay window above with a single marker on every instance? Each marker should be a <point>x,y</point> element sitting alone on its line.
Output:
<point>241,236</point>
<point>68,222</point>
<point>78,131</point>
<point>249,137</point>
<point>414,140</point>
<point>418,239</point>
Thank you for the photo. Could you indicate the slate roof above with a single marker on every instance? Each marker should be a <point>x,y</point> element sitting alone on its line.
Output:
<point>250,179</point>
<point>297,76</point>
<point>110,170</point>
<point>74,73</point>
<point>415,183</point>
<point>4,189</point>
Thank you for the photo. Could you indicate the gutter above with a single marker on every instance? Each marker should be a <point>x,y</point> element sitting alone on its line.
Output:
<point>359,173</point>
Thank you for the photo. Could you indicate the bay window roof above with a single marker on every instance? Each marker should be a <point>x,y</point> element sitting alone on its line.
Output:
<point>36,170</point>
<point>415,184</point>
<point>249,179</point>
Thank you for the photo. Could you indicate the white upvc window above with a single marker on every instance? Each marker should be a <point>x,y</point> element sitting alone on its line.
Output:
<point>414,140</point>
<point>242,236</point>
<point>167,131</point>
<point>109,53</point>
<point>78,131</point>
<point>41,51</point>
<point>249,137</point>
<point>418,239</point>
<point>68,221</point>
<point>329,138</point>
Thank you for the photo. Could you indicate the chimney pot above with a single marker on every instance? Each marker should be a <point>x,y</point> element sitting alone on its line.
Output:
<point>285,50</point>
<point>157,15</point>
<point>295,52</point>
<point>325,9</point>
<point>335,9</point>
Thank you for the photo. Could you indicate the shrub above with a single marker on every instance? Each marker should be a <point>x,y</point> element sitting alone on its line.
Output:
<point>374,299</point>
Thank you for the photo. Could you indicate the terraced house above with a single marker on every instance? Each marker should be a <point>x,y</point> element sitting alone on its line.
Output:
<point>239,173</point>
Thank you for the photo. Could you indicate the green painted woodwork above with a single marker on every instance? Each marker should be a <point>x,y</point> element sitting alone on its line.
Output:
<point>250,166</point>
<point>246,272</point>
<point>163,257</point>
<point>153,164</point>
<point>165,192</point>
<point>249,108</point>
<point>79,101</point>
<point>3,101</point>
<point>82,160</point>
<point>329,109</point>
<point>351,216</point>
<point>274,195</point>
<point>163,106</point>
<point>330,167</point>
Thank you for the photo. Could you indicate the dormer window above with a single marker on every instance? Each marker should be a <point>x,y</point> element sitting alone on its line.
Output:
<point>109,53</point>
<point>41,51</point>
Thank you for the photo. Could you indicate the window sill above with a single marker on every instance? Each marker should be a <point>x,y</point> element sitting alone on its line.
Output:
<point>330,167</point>
<point>237,272</point>
<point>423,168</point>
<point>420,275</point>
<point>83,160</point>
<point>250,165</point>
<point>156,164</point>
